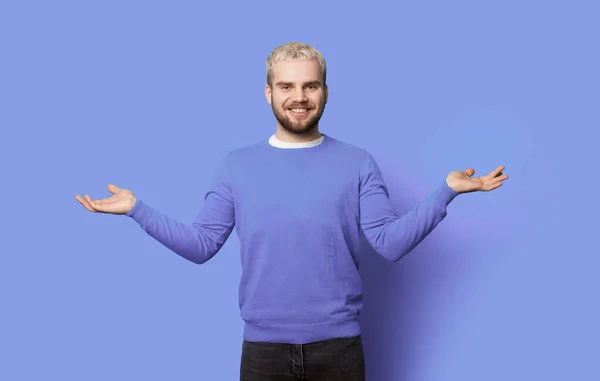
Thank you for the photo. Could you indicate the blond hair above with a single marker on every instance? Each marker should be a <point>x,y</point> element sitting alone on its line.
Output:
<point>293,51</point>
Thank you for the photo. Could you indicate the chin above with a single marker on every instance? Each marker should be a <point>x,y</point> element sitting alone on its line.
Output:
<point>302,132</point>
<point>299,129</point>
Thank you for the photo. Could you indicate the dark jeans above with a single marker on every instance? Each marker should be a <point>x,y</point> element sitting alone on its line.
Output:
<point>331,360</point>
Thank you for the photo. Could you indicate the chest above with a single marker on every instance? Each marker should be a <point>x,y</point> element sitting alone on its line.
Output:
<point>319,194</point>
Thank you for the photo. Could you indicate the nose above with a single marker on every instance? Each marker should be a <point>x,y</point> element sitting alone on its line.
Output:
<point>299,95</point>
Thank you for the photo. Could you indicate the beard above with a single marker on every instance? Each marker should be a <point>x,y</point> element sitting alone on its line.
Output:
<point>298,127</point>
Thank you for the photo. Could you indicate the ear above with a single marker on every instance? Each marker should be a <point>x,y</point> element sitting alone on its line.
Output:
<point>326,89</point>
<point>268,93</point>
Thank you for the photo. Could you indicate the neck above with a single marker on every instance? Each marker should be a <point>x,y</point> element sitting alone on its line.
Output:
<point>287,137</point>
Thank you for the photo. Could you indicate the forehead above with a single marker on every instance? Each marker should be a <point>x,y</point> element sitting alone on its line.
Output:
<point>296,71</point>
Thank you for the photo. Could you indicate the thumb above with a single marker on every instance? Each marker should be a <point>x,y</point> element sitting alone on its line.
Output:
<point>113,188</point>
<point>469,172</point>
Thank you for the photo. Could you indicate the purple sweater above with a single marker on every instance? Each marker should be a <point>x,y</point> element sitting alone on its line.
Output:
<point>298,214</point>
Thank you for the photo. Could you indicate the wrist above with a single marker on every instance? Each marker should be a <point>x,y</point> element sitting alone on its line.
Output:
<point>132,204</point>
<point>450,185</point>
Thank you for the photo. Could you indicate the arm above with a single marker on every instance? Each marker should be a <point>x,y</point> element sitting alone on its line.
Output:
<point>202,239</point>
<point>393,236</point>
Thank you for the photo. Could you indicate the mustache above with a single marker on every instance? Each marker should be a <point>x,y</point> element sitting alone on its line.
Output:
<point>300,106</point>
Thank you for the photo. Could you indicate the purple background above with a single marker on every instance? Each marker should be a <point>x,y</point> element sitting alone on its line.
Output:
<point>149,95</point>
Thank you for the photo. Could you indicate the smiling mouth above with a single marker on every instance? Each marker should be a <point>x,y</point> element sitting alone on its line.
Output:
<point>299,110</point>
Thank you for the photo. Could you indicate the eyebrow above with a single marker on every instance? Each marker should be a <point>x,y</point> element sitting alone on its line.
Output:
<point>304,84</point>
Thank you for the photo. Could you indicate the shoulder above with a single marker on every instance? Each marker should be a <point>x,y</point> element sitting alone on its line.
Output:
<point>347,149</point>
<point>245,152</point>
<point>354,153</point>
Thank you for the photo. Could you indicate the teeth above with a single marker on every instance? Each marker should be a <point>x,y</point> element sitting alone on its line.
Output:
<point>298,109</point>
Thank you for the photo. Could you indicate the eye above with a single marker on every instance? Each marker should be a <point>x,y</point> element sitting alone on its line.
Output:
<point>285,87</point>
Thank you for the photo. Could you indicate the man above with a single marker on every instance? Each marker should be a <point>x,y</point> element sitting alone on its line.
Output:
<point>298,201</point>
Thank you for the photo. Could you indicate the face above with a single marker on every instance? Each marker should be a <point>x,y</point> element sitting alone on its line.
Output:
<point>297,95</point>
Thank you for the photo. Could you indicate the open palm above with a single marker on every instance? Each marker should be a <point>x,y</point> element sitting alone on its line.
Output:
<point>463,182</point>
<point>120,202</point>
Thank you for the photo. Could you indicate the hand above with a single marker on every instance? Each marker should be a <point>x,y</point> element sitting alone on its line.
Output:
<point>462,182</point>
<point>120,203</point>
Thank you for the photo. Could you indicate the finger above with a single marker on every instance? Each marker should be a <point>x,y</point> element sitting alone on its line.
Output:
<point>497,171</point>
<point>497,179</point>
<point>93,204</point>
<point>85,204</point>
<point>105,201</point>
<point>490,176</point>
<point>494,186</point>
<point>469,172</point>
<point>113,188</point>
<point>82,202</point>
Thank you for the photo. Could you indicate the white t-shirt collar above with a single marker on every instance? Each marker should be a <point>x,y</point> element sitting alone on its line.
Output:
<point>280,144</point>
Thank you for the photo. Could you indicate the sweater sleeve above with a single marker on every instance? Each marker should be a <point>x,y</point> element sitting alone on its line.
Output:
<point>203,238</point>
<point>393,236</point>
